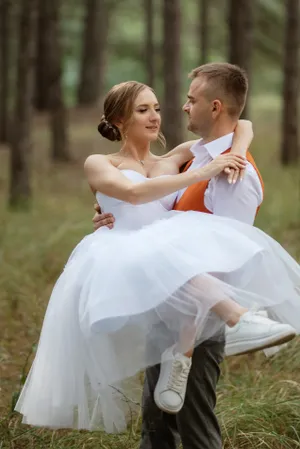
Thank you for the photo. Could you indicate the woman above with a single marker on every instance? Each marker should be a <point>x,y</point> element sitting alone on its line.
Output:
<point>156,265</point>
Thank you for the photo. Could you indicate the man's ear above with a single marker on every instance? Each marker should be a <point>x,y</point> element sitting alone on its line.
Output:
<point>216,107</point>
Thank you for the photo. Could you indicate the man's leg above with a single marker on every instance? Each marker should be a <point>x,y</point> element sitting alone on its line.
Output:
<point>197,422</point>
<point>159,429</point>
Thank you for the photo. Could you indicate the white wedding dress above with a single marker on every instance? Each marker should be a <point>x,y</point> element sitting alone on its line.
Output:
<point>156,269</point>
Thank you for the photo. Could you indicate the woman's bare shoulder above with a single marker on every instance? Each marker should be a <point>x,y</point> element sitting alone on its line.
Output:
<point>101,159</point>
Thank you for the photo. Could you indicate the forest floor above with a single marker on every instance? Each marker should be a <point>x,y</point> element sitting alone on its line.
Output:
<point>258,398</point>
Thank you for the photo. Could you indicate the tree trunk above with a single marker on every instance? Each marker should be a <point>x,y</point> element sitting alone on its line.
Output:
<point>149,40</point>
<point>5,8</point>
<point>203,30</point>
<point>41,96</point>
<point>94,51</point>
<point>241,35</point>
<point>58,112</point>
<point>290,151</point>
<point>20,191</point>
<point>172,124</point>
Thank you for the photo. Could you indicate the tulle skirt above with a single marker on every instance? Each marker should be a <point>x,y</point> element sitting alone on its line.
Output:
<point>122,288</point>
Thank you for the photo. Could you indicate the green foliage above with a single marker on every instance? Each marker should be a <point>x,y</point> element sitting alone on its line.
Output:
<point>125,56</point>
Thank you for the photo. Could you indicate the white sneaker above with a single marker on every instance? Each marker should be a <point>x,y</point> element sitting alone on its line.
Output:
<point>254,332</point>
<point>269,352</point>
<point>169,393</point>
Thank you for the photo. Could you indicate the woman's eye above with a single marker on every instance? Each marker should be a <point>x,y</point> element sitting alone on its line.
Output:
<point>157,109</point>
<point>142,110</point>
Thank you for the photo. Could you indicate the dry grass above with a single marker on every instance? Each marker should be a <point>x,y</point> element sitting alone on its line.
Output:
<point>259,399</point>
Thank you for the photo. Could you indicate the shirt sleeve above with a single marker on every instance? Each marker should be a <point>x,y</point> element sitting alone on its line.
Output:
<point>239,201</point>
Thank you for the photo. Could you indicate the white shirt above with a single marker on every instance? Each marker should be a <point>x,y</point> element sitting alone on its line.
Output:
<point>238,201</point>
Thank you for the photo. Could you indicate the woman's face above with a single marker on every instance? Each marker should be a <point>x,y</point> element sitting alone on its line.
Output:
<point>145,121</point>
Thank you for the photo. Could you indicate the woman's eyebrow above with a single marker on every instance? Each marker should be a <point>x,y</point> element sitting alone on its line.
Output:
<point>145,105</point>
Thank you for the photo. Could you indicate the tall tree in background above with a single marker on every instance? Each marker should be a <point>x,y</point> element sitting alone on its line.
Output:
<point>58,112</point>
<point>5,7</point>
<point>241,36</point>
<point>203,26</point>
<point>41,95</point>
<point>290,150</point>
<point>95,36</point>
<point>149,40</point>
<point>20,191</point>
<point>172,123</point>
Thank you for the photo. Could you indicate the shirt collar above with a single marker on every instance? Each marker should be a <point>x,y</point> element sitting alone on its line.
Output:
<point>215,147</point>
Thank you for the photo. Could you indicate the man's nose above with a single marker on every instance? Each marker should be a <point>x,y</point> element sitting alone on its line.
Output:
<point>185,107</point>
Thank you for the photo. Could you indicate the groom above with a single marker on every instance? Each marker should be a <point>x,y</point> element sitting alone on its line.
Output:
<point>216,98</point>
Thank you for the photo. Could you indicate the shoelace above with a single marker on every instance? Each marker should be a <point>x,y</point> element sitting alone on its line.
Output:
<point>261,314</point>
<point>178,376</point>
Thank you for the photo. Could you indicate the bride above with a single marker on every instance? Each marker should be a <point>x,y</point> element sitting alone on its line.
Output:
<point>190,270</point>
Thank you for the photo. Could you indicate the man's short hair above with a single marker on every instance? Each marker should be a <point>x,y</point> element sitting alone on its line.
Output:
<point>225,81</point>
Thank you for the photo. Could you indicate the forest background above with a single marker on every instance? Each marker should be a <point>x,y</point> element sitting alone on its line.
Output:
<point>57,60</point>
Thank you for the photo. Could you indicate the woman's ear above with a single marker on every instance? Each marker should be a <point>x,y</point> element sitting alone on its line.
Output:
<point>119,125</point>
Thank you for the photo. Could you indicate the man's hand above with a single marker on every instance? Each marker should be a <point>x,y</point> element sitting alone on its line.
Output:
<point>101,220</point>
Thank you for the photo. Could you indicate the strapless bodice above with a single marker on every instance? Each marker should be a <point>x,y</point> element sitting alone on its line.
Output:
<point>137,215</point>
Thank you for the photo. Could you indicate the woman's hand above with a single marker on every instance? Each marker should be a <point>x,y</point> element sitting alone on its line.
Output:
<point>224,162</point>
<point>233,175</point>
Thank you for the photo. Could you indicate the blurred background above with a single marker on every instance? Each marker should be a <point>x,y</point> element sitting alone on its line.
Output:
<point>58,58</point>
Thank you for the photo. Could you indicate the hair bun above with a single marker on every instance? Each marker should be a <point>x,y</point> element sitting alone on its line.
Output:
<point>109,131</point>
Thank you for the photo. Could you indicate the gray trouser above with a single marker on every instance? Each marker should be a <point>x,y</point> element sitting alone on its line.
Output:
<point>196,424</point>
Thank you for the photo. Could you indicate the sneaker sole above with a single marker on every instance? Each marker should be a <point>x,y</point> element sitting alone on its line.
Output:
<point>240,349</point>
<point>163,408</point>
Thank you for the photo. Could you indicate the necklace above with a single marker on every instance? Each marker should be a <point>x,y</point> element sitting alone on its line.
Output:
<point>141,161</point>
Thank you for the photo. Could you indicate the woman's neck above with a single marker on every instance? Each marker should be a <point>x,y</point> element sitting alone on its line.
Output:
<point>138,151</point>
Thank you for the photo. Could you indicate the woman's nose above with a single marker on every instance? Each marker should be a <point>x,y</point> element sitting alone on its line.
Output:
<point>154,116</point>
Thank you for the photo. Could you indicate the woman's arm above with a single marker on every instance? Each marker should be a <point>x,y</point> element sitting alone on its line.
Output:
<point>181,154</point>
<point>243,136</point>
<point>107,179</point>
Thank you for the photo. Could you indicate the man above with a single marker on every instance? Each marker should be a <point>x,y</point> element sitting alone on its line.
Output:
<point>215,102</point>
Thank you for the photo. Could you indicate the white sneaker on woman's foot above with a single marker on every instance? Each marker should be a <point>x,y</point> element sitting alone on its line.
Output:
<point>170,390</point>
<point>254,332</point>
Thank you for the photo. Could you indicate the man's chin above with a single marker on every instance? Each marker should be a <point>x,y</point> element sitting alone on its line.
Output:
<point>191,128</point>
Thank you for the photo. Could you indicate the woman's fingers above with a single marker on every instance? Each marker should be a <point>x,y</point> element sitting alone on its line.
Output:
<point>235,165</point>
<point>231,173</point>
<point>235,176</point>
<point>242,174</point>
<point>237,158</point>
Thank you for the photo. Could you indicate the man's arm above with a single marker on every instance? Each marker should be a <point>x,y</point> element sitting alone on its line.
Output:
<point>239,201</point>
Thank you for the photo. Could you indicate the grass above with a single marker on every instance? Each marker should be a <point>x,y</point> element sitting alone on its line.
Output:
<point>259,399</point>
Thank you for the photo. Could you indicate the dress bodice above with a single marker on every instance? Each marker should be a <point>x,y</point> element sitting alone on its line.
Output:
<point>135,216</point>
